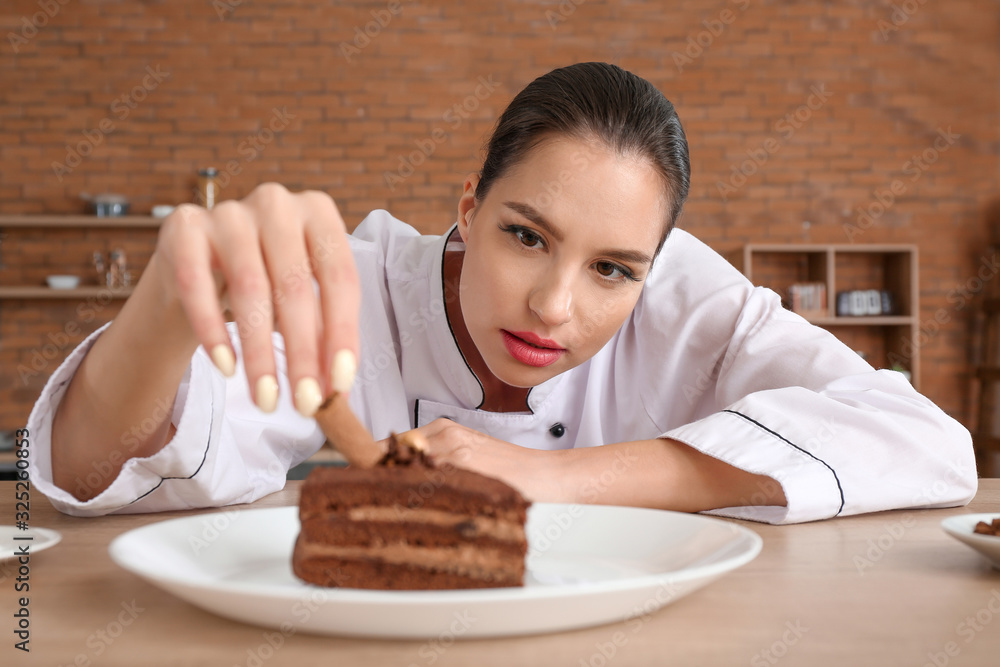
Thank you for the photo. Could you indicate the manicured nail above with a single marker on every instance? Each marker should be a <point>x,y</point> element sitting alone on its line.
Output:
<point>266,393</point>
<point>224,360</point>
<point>345,365</point>
<point>308,397</point>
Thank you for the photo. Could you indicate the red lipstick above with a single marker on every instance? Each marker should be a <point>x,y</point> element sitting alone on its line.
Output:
<point>537,341</point>
<point>530,349</point>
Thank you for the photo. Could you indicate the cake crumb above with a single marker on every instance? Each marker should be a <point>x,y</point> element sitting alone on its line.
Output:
<point>984,528</point>
<point>407,449</point>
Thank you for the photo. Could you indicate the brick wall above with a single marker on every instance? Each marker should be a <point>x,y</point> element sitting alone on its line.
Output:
<point>795,112</point>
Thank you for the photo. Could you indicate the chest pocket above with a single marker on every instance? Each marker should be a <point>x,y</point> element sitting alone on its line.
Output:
<point>537,431</point>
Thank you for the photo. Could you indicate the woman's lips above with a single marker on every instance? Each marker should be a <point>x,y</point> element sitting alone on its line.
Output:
<point>528,353</point>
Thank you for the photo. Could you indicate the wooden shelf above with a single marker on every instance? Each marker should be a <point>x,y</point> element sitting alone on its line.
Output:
<point>863,321</point>
<point>326,454</point>
<point>84,292</point>
<point>71,221</point>
<point>887,340</point>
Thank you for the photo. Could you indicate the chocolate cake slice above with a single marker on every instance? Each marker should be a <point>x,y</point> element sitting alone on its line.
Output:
<point>408,524</point>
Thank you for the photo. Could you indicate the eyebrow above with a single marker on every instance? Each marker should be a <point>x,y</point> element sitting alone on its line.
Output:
<point>529,212</point>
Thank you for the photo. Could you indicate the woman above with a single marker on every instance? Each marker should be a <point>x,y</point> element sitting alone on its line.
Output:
<point>536,329</point>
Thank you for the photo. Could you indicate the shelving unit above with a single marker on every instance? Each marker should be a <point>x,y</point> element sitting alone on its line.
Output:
<point>886,340</point>
<point>29,222</point>
<point>88,291</point>
<point>88,221</point>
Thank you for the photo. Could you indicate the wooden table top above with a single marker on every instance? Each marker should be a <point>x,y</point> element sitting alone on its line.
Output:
<point>881,589</point>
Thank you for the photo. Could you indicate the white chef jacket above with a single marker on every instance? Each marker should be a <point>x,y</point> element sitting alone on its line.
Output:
<point>705,358</point>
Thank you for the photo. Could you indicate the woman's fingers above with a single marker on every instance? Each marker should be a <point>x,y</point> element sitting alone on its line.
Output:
<point>262,254</point>
<point>184,254</point>
<point>296,306</point>
<point>339,288</point>
<point>235,238</point>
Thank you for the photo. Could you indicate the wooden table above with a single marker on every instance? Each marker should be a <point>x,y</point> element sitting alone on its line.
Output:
<point>881,589</point>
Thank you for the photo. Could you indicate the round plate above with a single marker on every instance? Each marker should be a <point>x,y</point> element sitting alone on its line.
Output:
<point>42,538</point>
<point>961,528</point>
<point>586,565</point>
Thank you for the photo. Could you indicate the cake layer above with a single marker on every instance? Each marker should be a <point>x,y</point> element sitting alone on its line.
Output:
<point>439,572</point>
<point>469,526</point>
<point>447,488</point>
<point>467,559</point>
<point>341,530</point>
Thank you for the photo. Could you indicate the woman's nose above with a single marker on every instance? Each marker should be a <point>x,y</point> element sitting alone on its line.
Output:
<point>552,302</point>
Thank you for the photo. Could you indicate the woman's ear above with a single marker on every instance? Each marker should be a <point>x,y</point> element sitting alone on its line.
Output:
<point>466,205</point>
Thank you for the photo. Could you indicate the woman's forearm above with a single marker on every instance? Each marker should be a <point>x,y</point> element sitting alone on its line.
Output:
<point>119,402</point>
<point>659,473</point>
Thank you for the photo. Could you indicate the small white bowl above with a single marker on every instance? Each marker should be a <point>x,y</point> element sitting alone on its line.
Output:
<point>162,211</point>
<point>63,282</point>
<point>961,527</point>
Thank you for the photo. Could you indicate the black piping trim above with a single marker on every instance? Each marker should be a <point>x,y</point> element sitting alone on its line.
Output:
<point>813,456</point>
<point>200,465</point>
<point>527,398</point>
<point>416,413</point>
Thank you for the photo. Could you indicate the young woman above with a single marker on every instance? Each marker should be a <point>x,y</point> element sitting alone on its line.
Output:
<point>561,336</point>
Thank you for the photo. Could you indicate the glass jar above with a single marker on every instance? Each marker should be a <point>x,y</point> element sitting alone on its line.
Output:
<point>208,187</point>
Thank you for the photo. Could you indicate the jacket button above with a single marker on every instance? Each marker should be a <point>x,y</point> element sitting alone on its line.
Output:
<point>558,430</point>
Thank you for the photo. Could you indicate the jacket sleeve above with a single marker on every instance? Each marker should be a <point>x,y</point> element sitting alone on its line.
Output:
<point>225,450</point>
<point>760,388</point>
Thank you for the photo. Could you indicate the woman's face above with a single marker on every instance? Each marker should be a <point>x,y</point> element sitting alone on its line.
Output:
<point>556,255</point>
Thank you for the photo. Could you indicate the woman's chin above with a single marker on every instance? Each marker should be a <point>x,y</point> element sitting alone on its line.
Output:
<point>517,374</point>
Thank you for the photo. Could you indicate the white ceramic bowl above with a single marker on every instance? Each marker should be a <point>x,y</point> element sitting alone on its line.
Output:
<point>162,211</point>
<point>63,282</point>
<point>961,528</point>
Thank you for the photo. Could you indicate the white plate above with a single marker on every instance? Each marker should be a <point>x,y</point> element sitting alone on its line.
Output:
<point>587,565</point>
<point>42,538</point>
<point>961,528</point>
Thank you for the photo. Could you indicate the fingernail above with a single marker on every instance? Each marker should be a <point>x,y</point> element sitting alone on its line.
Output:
<point>224,360</point>
<point>345,365</point>
<point>266,393</point>
<point>308,397</point>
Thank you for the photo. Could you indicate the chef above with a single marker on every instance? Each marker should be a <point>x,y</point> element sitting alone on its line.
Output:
<point>562,335</point>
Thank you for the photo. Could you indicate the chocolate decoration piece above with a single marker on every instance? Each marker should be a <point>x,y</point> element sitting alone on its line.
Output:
<point>407,449</point>
<point>346,433</point>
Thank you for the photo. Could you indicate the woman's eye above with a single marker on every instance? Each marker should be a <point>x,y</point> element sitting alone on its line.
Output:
<point>613,272</point>
<point>607,269</point>
<point>528,238</point>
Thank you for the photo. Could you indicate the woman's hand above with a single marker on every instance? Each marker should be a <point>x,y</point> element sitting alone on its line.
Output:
<point>527,470</point>
<point>260,254</point>
<point>658,473</point>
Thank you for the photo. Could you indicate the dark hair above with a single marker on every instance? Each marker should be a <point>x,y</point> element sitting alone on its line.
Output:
<point>593,100</point>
